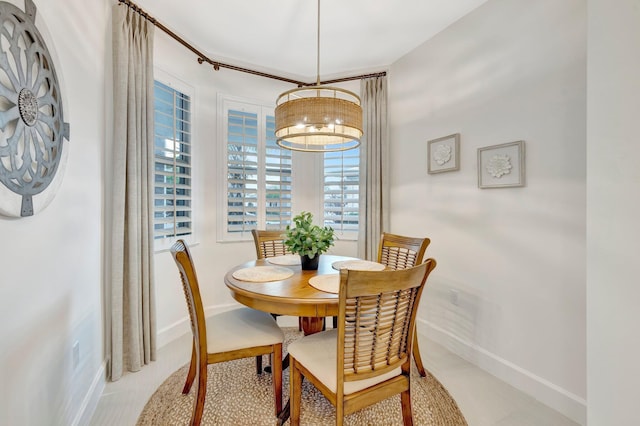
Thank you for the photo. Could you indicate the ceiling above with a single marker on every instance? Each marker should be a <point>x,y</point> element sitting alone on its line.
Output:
<point>280,36</point>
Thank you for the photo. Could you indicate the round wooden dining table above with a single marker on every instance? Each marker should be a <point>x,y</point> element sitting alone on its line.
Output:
<point>291,296</point>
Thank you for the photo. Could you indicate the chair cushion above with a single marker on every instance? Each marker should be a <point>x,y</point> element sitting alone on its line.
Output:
<point>241,328</point>
<point>317,352</point>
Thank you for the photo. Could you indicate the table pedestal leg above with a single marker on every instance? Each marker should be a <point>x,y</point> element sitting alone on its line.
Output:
<point>311,325</point>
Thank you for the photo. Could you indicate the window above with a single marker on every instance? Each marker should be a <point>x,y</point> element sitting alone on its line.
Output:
<point>257,171</point>
<point>341,191</point>
<point>172,138</point>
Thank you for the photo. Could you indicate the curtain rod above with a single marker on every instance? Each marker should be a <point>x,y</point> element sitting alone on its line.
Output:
<point>217,65</point>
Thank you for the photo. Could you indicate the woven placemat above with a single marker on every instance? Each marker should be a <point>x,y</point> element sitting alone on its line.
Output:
<point>358,265</point>
<point>261,274</point>
<point>329,283</point>
<point>285,260</point>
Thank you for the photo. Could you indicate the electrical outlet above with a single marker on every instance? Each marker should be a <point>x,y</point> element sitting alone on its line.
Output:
<point>76,354</point>
<point>453,296</point>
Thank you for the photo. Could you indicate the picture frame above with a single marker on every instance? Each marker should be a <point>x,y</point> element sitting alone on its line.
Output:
<point>501,166</point>
<point>443,154</point>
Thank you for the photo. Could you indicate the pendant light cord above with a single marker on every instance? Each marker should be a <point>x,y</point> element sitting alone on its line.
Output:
<point>318,59</point>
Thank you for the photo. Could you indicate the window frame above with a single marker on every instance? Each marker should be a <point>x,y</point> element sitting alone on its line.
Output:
<point>262,109</point>
<point>178,85</point>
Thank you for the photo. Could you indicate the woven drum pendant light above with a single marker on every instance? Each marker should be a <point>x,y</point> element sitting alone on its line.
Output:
<point>318,118</point>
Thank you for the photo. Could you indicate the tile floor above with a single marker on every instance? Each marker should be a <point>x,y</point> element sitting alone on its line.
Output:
<point>483,399</point>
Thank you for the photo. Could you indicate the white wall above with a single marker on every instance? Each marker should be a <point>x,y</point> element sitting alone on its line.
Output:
<point>613,209</point>
<point>510,70</point>
<point>50,294</point>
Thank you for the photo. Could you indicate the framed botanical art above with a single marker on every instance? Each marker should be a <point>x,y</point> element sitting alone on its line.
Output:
<point>442,154</point>
<point>501,166</point>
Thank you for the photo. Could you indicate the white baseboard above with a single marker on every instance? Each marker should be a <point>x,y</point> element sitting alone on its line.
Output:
<point>172,332</point>
<point>91,399</point>
<point>544,391</point>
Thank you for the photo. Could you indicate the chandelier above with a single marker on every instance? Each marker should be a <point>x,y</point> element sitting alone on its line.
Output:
<point>318,118</point>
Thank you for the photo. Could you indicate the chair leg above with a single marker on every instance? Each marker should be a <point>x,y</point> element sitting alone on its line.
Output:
<point>295,392</point>
<point>407,416</point>
<point>299,323</point>
<point>192,371</point>
<point>259,364</point>
<point>416,356</point>
<point>276,364</point>
<point>335,322</point>
<point>198,407</point>
<point>340,412</point>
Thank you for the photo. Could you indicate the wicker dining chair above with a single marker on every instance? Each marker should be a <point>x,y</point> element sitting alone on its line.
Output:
<point>234,334</point>
<point>400,252</point>
<point>368,358</point>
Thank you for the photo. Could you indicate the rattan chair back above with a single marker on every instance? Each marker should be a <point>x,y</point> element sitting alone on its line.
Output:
<point>191,288</point>
<point>376,319</point>
<point>400,252</point>
<point>269,243</point>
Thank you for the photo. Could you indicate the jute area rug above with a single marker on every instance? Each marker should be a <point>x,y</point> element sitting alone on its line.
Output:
<point>236,395</point>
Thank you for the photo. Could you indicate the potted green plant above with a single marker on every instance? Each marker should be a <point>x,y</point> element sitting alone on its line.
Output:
<point>308,240</point>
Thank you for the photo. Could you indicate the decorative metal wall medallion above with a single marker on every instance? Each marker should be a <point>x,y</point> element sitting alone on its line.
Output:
<point>32,127</point>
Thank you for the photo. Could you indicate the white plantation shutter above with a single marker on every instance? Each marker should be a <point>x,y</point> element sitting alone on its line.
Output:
<point>258,172</point>
<point>172,195</point>
<point>277,181</point>
<point>242,171</point>
<point>341,191</point>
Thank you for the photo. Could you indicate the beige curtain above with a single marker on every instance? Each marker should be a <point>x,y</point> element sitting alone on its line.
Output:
<point>132,311</point>
<point>374,167</point>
